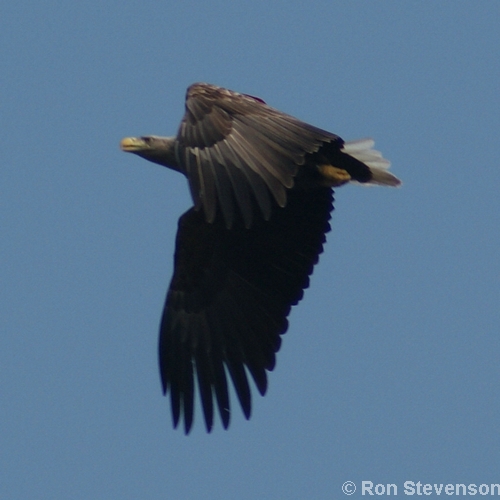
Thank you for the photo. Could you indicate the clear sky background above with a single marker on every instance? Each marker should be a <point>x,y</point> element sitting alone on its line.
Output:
<point>390,371</point>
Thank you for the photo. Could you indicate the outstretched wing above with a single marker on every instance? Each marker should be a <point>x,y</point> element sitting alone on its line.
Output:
<point>229,298</point>
<point>236,150</point>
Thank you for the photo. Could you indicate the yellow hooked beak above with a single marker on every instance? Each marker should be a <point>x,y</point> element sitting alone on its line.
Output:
<point>132,144</point>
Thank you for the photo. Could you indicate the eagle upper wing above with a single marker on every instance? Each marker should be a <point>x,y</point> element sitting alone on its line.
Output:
<point>229,298</point>
<point>235,150</point>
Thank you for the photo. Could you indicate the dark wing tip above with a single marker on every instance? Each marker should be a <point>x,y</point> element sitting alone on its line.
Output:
<point>229,300</point>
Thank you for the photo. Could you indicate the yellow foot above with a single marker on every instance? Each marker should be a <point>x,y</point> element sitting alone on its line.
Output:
<point>333,176</point>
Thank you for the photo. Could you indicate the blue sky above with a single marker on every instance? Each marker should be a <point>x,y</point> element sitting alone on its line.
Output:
<point>389,371</point>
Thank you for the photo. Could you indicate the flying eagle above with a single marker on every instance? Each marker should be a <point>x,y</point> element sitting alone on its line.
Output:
<point>261,182</point>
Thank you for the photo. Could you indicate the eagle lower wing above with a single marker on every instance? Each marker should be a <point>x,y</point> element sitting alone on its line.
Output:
<point>229,298</point>
<point>236,150</point>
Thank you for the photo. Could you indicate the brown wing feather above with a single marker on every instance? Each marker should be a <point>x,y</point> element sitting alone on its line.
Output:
<point>236,131</point>
<point>230,295</point>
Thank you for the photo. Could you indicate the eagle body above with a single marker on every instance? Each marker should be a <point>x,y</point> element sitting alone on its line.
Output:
<point>261,183</point>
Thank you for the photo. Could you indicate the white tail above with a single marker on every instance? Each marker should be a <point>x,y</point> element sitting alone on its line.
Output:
<point>373,159</point>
